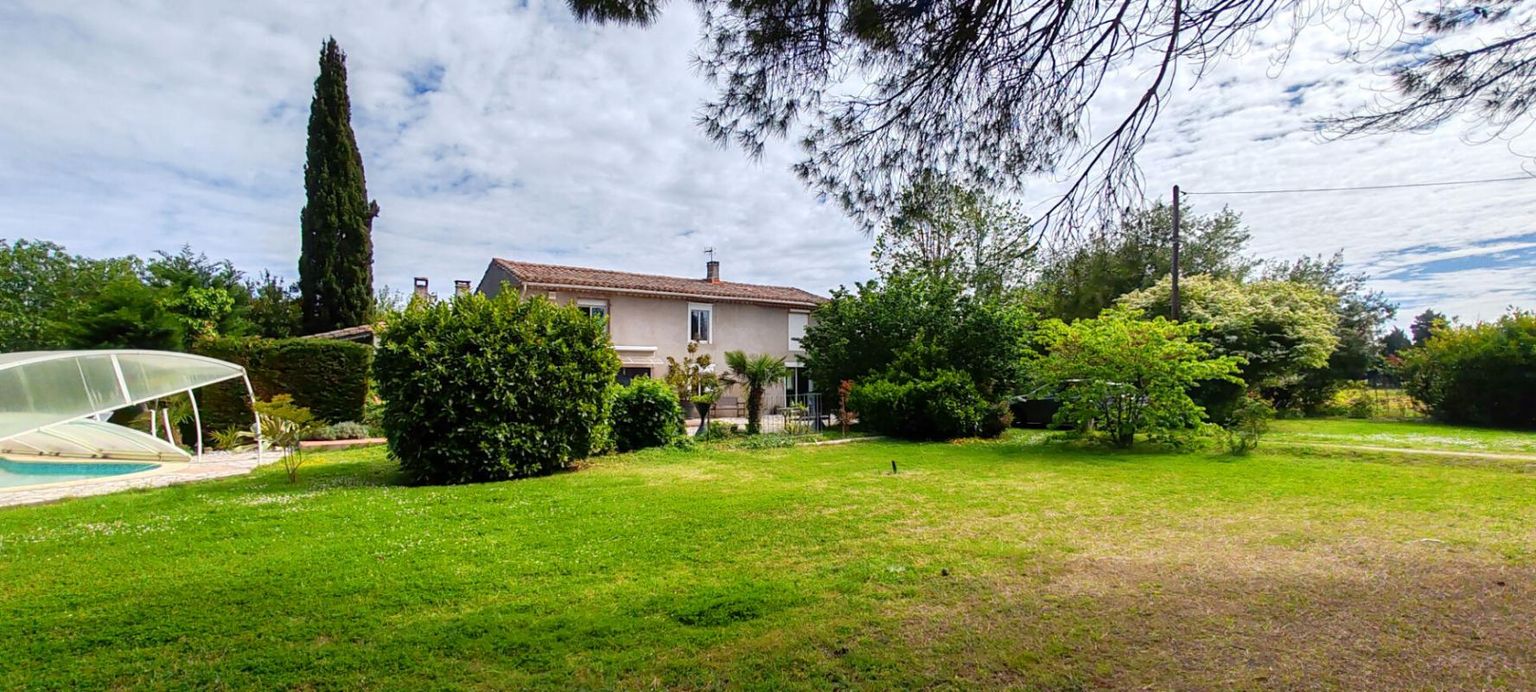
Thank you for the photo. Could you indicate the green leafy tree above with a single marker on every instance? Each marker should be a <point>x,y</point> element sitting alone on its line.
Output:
<point>1278,330</point>
<point>917,325</point>
<point>44,290</point>
<point>928,360</point>
<point>1362,313</point>
<point>1426,325</point>
<point>210,297</point>
<point>336,260</point>
<point>1483,374</point>
<point>756,373</point>
<point>1083,281</point>
<point>1395,342</point>
<point>956,234</point>
<point>126,313</point>
<point>1121,375</point>
<point>275,311</point>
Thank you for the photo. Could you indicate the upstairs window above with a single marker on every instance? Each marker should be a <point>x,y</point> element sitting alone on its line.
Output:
<point>797,322</point>
<point>701,323</point>
<point>593,308</point>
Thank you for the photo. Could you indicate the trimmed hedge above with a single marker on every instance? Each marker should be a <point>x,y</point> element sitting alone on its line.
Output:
<point>330,378</point>
<point>942,407</point>
<point>482,389</point>
<point>646,413</point>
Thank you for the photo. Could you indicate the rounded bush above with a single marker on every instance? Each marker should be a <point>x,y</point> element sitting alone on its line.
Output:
<point>646,413</point>
<point>482,389</point>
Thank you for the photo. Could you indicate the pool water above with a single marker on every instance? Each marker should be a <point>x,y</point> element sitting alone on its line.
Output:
<point>14,474</point>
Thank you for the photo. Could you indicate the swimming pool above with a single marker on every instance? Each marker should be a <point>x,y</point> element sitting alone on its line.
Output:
<point>14,474</point>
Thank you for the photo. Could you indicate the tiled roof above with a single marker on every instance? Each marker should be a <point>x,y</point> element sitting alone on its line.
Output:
<point>557,276</point>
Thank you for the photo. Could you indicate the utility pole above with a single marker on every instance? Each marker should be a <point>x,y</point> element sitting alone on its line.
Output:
<point>1177,309</point>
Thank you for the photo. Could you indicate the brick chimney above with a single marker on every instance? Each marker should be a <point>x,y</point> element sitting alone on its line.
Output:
<point>460,287</point>
<point>712,271</point>
<point>421,287</point>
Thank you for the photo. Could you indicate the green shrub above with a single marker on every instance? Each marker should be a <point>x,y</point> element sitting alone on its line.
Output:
<point>942,407</point>
<point>1248,422</point>
<point>327,377</point>
<point>1120,375</point>
<point>230,439</point>
<point>1354,400</point>
<point>646,413</point>
<point>769,441</point>
<point>482,389</point>
<point>1478,375</point>
<point>284,425</point>
<point>373,416</point>
<point>719,430</point>
<point>345,430</point>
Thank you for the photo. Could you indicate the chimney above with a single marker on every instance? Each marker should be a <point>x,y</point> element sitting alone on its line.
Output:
<point>712,271</point>
<point>460,287</point>
<point>421,287</point>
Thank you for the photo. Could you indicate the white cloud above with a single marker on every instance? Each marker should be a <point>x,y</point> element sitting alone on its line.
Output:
<point>130,127</point>
<point>134,128</point>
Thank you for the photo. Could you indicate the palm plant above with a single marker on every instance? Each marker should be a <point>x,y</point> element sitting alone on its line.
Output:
<point>756,373</point>
<point>283,426</point>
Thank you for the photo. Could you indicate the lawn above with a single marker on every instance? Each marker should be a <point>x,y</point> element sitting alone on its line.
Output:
<point>1414,435</point>
<point>1015,563</point>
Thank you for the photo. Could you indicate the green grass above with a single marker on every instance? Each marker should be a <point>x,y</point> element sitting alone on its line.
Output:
<point>1415,435</point>
<point>1017,563</point>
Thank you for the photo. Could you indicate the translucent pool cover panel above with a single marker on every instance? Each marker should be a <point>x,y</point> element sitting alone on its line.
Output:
<point>44,388</point>
<point>91,439</point>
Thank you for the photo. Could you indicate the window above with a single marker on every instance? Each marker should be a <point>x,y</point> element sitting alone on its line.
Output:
<point>798,383</point>
<point>797,322</point>
<point>700,323</point>
<point>627,374</point>
<point>593,308</point>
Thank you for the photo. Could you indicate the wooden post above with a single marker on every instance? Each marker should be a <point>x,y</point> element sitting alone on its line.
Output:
<point>1176,307</point>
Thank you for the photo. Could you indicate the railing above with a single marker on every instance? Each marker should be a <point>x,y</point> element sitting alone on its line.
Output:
<point>800,414</point>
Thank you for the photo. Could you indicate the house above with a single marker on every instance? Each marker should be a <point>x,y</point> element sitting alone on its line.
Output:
<point>652,317</point>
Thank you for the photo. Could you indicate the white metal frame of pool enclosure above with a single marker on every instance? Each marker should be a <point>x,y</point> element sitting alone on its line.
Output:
<point>54,403</point>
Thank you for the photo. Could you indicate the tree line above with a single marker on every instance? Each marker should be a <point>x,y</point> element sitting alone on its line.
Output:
<point>968,302</point>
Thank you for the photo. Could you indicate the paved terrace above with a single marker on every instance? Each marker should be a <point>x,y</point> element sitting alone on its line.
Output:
<point>213,465</point>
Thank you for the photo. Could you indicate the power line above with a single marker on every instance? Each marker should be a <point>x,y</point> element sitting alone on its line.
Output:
<point>1398,186</point>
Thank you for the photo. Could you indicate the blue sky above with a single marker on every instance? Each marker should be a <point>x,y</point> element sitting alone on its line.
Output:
<point>492,128</point>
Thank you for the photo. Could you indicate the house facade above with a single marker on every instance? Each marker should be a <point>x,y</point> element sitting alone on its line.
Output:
<point>652,317</point>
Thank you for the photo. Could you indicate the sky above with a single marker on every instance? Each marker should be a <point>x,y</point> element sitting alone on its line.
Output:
<point>494,128</point>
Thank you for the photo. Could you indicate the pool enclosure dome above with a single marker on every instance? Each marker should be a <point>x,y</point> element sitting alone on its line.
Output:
<point>55,403</point>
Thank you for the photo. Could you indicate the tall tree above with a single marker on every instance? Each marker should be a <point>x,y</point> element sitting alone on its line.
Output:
<point>336,262</point>
<point>275,307</point>
<point>1425,325</point>
<point>996,92</point>
<point>958,234</point>
<point>1361,315</point>
<point>210,297</point>
<point>1081,281</point>
<point>1395,342</point>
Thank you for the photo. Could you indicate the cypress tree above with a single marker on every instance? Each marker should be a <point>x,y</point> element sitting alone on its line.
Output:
<point>336,261</point>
